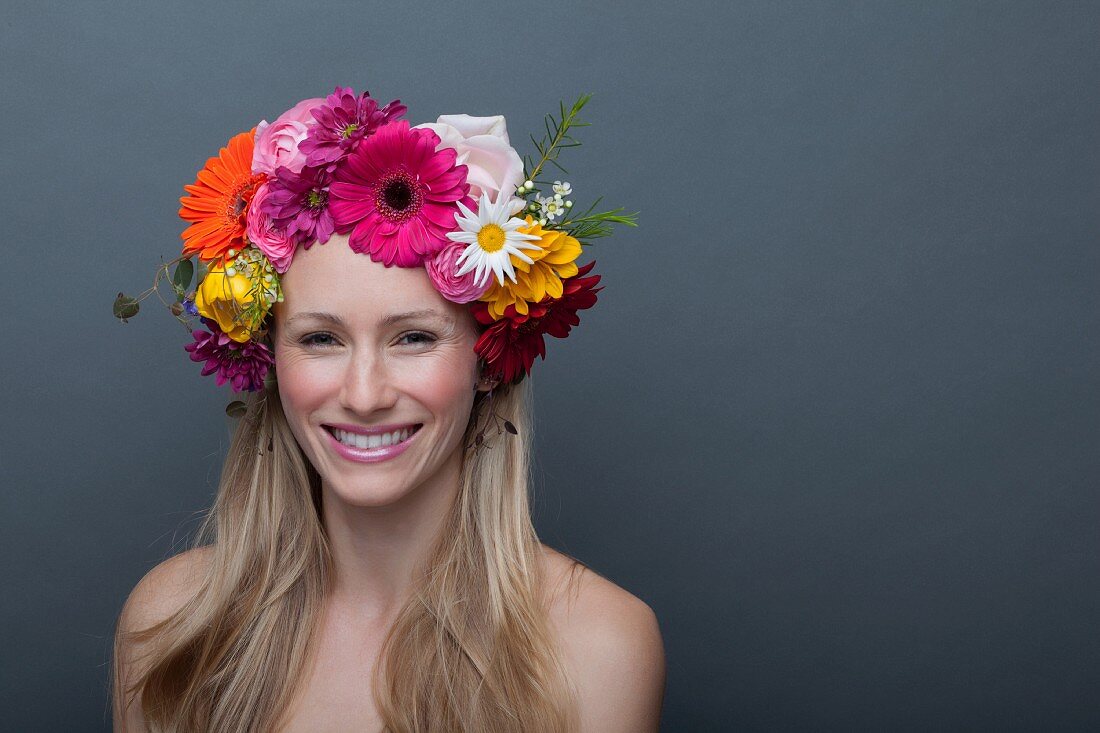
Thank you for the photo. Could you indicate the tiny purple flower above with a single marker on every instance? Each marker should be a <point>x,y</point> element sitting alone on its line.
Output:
<point>243,364</point>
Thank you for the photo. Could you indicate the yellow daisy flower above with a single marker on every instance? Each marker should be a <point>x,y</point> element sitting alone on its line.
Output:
<point>554,260</point>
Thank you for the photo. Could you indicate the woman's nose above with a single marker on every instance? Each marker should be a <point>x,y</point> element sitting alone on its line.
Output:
<point>368,385</point>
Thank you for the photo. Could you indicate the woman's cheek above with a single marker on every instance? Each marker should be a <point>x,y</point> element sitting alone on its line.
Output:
<point>302,378</point>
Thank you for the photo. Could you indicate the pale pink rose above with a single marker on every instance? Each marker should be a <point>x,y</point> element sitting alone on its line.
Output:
<point>277,143</point>
<point>455,288</point>
<point>482,146</point>
<point>276,245</point>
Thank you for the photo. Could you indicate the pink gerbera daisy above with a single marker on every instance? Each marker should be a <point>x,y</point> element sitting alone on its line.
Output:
<point>400,194</point>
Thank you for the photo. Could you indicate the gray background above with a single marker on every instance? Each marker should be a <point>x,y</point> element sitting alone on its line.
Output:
<point>835,416</point>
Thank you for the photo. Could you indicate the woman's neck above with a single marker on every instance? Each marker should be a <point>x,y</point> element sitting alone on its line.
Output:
<point>377,550</point>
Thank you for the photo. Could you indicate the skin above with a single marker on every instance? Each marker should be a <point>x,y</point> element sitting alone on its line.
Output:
<point>381,517</point>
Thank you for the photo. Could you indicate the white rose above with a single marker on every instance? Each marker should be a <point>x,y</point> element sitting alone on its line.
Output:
<point>482,146</point>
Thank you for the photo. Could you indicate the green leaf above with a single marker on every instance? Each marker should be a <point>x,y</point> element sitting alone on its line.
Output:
<point>181,278</point>
<point>125,307</point>
<point>557,136</point>
<point>236,408</point>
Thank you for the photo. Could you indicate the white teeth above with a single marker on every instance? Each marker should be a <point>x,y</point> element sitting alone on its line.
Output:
<point>371,441</point>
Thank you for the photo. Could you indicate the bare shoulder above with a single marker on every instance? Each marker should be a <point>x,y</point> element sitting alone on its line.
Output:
<point>164,589</point>
<point>612,645</point>
<point>156,597</point>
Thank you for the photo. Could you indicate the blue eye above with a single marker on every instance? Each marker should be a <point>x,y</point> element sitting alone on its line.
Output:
<point>327,340</point>
<point>419,336</point>
<point>312,339</point>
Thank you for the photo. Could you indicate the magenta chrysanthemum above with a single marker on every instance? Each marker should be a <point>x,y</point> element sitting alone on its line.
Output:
<point>298,203</point>
<point>400,194</point>
<point>243,364</point>
<point>342,121</point>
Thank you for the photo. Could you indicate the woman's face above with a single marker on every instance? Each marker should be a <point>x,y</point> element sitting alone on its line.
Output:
<point>367,349</point>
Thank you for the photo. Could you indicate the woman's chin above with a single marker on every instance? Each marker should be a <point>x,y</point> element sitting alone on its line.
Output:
<point>366,496</point>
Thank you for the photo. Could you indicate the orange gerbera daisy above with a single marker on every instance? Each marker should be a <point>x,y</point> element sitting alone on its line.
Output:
<point>218,200</point>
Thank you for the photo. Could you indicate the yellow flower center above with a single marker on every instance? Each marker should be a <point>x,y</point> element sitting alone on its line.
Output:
<point>491,237</point>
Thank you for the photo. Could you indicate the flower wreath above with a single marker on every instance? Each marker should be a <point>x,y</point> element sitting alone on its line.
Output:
<point>453,197</point>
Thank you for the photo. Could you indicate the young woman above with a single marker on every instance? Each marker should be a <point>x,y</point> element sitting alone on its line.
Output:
<point>370,563</point>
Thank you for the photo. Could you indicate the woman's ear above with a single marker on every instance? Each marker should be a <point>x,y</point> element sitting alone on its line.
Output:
<point>485,382</point>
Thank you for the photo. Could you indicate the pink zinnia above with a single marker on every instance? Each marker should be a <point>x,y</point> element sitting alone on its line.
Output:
<point>342,121</point>
<point>298,204</point>
<point>400,195</point>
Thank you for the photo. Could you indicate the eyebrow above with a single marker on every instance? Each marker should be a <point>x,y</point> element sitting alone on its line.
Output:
<point>387,321</point>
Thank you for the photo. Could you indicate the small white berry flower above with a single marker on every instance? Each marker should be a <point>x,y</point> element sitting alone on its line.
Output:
<point>552,208</point>
<point>562,188</point>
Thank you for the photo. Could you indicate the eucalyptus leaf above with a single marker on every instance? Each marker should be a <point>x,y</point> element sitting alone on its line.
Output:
<point>510,427</point>
<point>181,278</point>
<point>236,408</point>
<point>125,307</point>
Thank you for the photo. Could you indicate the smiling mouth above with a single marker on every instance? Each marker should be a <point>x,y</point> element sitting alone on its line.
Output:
<point>381,440</point>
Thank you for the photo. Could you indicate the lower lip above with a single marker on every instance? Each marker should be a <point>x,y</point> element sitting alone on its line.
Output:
<point>370,455</point>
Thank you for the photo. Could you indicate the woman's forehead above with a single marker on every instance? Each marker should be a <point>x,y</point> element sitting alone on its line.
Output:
<point>332,278</point>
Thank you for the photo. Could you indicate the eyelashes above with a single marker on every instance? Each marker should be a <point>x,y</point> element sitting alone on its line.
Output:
<point>311,340</point>
<point>323,340</point>
<point>426,338</point>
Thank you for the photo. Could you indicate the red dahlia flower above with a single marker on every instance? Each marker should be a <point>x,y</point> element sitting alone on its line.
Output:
<point>509,345</point>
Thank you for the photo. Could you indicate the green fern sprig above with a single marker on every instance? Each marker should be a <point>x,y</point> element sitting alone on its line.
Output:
<point>557,138</point>
<point>594,224</point>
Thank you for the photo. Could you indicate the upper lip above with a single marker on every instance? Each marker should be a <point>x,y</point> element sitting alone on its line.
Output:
<point>372,430</point>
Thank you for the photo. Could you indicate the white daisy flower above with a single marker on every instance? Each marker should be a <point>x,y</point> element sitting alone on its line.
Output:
<point>492,238</point>
<point>552,207</point>
<point>562,188</point>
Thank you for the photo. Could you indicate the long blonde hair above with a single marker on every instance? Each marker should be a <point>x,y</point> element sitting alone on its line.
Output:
<point>471,650</point>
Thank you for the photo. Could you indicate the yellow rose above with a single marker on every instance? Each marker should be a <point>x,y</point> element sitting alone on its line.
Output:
<point>224,298</point>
